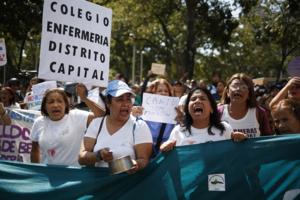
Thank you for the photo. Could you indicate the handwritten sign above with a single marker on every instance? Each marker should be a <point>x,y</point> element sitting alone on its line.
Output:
<point>159,108</point>
<point>158,69</point>
<point>75,42</point>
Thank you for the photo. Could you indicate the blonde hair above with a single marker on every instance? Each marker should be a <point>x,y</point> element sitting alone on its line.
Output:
<point>154,86</point>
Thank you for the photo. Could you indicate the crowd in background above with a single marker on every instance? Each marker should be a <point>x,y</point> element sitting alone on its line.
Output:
<point>234,108</point>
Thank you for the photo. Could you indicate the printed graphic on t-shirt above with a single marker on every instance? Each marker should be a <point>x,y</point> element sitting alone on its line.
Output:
<point>51,152</point>
<point>251,132</point>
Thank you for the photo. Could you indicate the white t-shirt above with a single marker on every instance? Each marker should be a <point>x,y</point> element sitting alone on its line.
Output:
<point>248,124</point>
<point>60,141</point>
<point>122,142</point>
<point>197,136</point>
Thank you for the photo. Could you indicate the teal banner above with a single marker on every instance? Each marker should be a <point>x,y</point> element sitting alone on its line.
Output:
<point>260,168</point>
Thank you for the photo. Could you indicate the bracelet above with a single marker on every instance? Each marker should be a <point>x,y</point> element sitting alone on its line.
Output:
<point>98,156</point>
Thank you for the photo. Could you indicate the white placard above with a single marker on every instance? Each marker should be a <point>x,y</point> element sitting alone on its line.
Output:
<point>216,182</point>
<point>3,59</point>
<point>159,108</point>
<point>40,88</point>
<point>158,69</point>
<point>36,97</point>
<point>93,94</point>
<point>75,42</point>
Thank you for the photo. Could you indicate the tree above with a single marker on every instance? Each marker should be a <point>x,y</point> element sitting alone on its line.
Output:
<point>20,20</point>
<point>280,26</point>
<point>170,31</point>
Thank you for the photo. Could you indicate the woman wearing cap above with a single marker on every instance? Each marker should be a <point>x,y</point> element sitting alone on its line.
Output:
<point>118,133</point>
<point>56,136</point>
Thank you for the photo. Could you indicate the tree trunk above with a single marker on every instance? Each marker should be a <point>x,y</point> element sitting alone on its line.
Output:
<point>284,54</point>
<point>189,54</point>
<point>21,55</point>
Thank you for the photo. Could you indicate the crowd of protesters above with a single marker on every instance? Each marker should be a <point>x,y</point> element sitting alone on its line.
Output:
<point>234,109</point>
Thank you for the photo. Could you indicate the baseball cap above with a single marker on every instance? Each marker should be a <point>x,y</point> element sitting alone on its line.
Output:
<point>117,88</point>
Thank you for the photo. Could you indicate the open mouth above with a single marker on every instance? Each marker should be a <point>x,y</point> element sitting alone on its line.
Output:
<point>124,111</point>
<point>55,112</point>
<point>198,110</point>
<point>237,95</point>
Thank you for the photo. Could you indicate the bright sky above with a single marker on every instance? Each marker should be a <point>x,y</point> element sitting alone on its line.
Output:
<point>235,11</point>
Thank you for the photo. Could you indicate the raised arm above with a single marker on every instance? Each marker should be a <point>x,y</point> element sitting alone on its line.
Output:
<point>4,117</point>
<point>283,93</point>
<point>95,108</point>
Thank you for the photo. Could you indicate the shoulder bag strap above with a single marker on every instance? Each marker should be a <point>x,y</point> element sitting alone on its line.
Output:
<point>160,136</point>
<point>99,129</point>
<point>133,129</point>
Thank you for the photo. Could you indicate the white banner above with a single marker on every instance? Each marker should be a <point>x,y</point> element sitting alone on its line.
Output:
<point>15,143</point>
<point>3,59</point>
<point>159,108</point>
<point>75,42</point>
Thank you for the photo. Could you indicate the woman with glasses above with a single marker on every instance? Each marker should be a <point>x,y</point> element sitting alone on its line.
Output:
<point>118,133</point>
<point>239,107</point>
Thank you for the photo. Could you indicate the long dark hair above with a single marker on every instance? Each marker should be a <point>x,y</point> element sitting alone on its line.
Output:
<point>214,118</point>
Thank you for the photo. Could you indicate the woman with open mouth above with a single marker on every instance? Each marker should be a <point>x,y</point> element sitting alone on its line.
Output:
<point>57,134</point>
<point>201,123</point>
<point>117,134</point>
<point>240,109</point>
